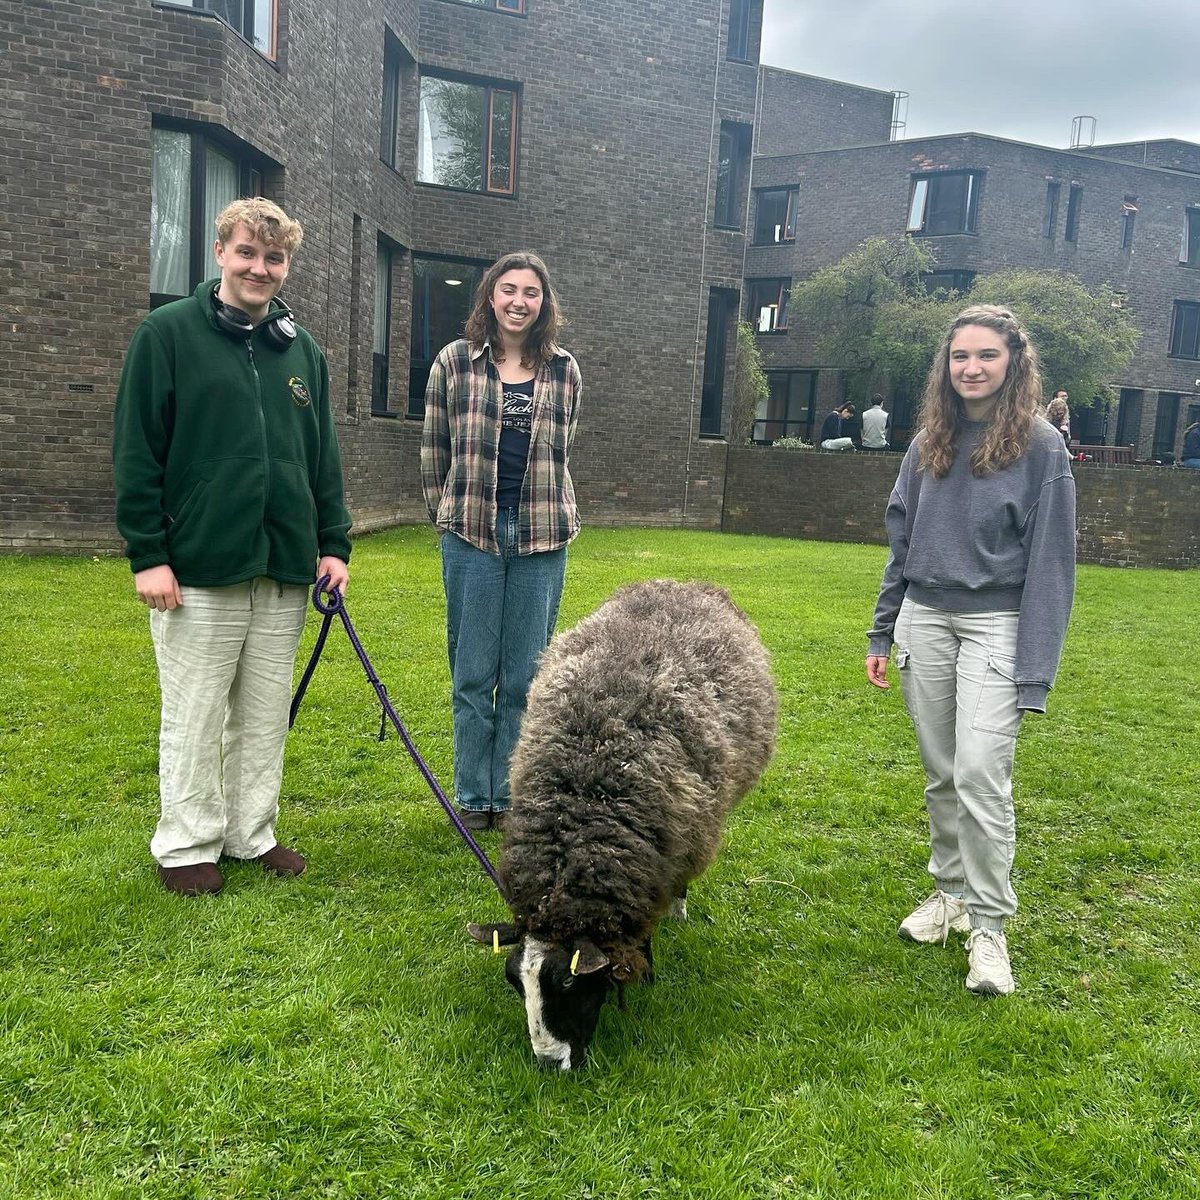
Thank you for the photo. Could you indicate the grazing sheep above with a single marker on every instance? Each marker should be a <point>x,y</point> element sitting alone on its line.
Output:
<point>646,724</point>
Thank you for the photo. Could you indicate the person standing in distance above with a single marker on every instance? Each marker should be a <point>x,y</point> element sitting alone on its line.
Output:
<point>229,498</point>
<point>976,597</point>
<point>501,409</point>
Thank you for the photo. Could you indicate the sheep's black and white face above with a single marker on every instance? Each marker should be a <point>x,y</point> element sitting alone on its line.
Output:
<point>562,1008</point>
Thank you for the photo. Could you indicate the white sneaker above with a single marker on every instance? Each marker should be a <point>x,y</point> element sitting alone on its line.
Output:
<point>934,919</point>
<point>990,973</point>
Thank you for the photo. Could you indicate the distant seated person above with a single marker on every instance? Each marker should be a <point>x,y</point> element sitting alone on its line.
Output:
<point>875,421</point>
<point>834,432</point>
<point>1191,446</point>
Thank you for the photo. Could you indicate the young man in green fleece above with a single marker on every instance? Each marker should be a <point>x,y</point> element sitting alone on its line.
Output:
<point>229,497</point>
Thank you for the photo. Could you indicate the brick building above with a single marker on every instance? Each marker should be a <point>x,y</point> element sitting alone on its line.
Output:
<point>416,140</point>
<point>1127,216</point>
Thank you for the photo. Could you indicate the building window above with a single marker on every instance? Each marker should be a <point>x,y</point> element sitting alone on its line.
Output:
<point>384,256</point>
<point>733,161</point>
<point>766,307</point>
<point>1128,216</point>
<point>468,136</point>
<point>1189,247</point>
<point>787,410</point>
<point>389,109</point>
<point>944,203</point>
<point>506,6</point>
<point>775,215</point>
<point>192,178</point>
<point>442,294</point>
<point>722,310</point>
<point>947,281</point>
<point>1166,420</point>
<point>254,20</point>
<point>1185,330</point>
<point>1074,204</point>
<point>1129,416</point>
<point>1050,217</point>
<point>738,47</point>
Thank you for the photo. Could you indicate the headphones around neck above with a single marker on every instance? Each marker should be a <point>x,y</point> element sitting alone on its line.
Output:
<point>278,326</point>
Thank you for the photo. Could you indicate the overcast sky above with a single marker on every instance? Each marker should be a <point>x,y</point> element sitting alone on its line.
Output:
<point>1020,69</point>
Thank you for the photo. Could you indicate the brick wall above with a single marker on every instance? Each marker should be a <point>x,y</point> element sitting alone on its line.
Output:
<point>620,117</point>
<point>851,194</point>
<point>1139,516</point>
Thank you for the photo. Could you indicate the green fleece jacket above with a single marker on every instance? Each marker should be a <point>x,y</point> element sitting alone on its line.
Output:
<point>224,452</point>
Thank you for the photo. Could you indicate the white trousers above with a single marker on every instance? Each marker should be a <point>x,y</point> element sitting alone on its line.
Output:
<point>225,660</point>
<point>958,676</point>
<point>838,444</point>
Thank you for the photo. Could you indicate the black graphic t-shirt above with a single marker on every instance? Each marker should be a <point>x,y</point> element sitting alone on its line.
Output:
<point>516,417</point>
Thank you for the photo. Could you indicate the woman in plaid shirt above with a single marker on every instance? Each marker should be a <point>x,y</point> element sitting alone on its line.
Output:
<point>500,414</point>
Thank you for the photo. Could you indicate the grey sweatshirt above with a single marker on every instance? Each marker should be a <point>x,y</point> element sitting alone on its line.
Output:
<point>1003,542</point>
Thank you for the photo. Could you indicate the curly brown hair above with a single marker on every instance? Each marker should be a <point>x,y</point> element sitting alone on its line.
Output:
<point>541,341</point>
<point>1017,402</point>
<point>265,219</point>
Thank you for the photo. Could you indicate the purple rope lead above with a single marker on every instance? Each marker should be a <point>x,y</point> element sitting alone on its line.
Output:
<point>337,607</point>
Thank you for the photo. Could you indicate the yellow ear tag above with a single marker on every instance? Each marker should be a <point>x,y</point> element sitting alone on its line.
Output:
<point>495,941</point>
<point>575,963</point>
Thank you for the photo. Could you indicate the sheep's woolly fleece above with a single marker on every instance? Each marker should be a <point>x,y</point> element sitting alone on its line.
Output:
<point>645,725</point>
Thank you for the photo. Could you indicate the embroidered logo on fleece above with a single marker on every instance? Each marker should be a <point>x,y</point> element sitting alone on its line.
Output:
<point>300,393</point>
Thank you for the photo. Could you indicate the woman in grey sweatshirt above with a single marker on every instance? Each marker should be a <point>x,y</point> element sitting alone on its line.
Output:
<point>975,597</point>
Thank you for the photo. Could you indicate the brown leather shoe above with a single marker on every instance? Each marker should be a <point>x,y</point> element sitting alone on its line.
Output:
<point>279,860</point>
<point>196,879</point>
<point>475,819</point>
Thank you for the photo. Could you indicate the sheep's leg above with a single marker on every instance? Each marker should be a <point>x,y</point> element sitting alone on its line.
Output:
<point>678,908</point>
<point>648,951</point>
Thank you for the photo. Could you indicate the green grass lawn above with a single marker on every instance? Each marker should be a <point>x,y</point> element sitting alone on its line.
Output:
<point>339,1035</point>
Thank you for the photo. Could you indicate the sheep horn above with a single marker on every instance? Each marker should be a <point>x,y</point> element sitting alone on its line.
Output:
<point>491,935</point>
<point>588,957</point>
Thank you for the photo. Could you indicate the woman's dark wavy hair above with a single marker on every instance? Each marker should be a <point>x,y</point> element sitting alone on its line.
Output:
<point>541,341</point>
<point>1017,404</point>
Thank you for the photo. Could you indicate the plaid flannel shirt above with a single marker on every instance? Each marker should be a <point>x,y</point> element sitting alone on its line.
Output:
<point>460,447</point>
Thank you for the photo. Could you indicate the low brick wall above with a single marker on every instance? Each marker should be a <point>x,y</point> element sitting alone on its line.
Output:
<point>1139,516</point>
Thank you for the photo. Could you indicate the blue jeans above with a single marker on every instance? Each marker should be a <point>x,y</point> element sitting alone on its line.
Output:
<point>500,615</point>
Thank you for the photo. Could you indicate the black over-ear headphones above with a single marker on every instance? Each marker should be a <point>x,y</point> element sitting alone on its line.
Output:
<point>278,326</point>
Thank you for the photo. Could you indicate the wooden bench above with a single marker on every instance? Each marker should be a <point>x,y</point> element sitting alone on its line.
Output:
<point>1107,455</point>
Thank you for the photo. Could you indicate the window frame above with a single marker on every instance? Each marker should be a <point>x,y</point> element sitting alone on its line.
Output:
<point>512,8</point>
<point>1183,314</point>
<point>792,193</point>
<point>762,286</point>
<point>271,53</point>
<point>1189,244</point>
<point>923,198</point>
<point>1050,215</point>
<point>389,107</point>
<point>251,169</point>
<point>1129,210</point>
<point>962,281</point>
<point>385,270</point>
<point>737,43</point>
<point>1074,209</point>
<point>418,367</point>
<point>727,207</point>
<point>799,426</point>
<point>490,89</point>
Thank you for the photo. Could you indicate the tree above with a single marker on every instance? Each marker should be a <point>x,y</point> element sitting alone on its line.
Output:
<point>1084,339</point>
<point>873,317</point>
<point>864,311</point>
<point>750,386</point>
